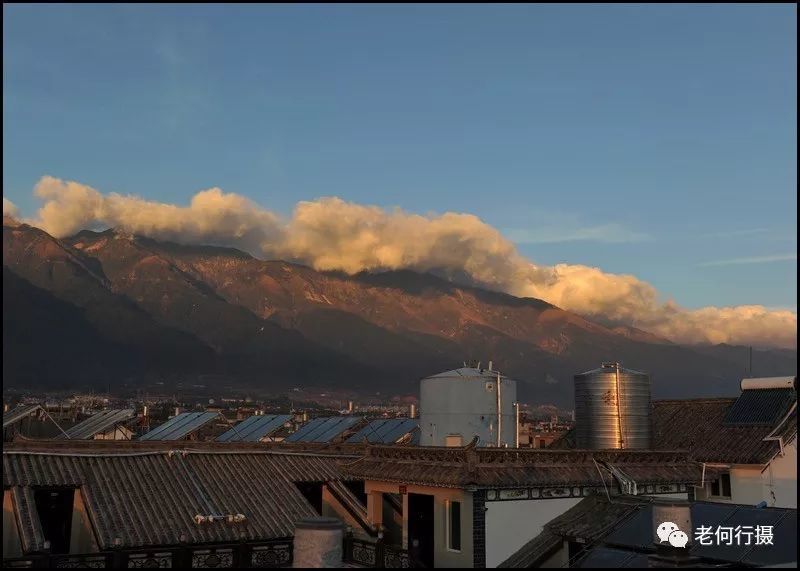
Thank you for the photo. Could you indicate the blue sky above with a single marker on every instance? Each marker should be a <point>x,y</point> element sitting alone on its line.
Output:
<point>656,141</point>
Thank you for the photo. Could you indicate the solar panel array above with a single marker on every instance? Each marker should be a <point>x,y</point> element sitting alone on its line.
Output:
<point>255,428</point>
<point>98,423</point>
<point>180,426</point>
<point>760,406</point>
<point>324,429</point>
<point>385,431</point>
<point>19,413</point>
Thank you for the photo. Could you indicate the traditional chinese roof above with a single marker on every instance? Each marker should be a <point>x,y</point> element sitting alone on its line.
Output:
<point>619,534</point>
<point>586,521</point>
<point>700,427</point>
<point>519,468</point>
<point>535,551</point>
<point>703,427</point>
<point>148,494</point>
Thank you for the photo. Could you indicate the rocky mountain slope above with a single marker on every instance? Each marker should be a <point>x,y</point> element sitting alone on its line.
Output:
<point>163,310</point>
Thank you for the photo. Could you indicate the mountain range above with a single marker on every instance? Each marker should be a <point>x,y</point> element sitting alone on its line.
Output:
<point>110,308</point>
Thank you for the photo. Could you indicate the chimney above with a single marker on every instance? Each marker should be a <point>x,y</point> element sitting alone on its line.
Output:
<point>318,543</point>
<point>412,412</point>
<point>672,534</point>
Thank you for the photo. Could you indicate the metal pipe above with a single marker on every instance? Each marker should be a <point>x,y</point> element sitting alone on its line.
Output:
<point>619,412</point>
<point>499,411</point>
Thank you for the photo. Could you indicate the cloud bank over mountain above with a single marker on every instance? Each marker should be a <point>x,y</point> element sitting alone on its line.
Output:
<point>332,234</point>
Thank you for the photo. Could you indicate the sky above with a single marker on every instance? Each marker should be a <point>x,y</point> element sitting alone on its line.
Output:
<point>653,141</point>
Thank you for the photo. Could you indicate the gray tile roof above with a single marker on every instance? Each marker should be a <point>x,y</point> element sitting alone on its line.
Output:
<point>519,468</point>
<point>149,496</point>
<point>619,534</point>
<point>699,427</point>
<point>587,521</point>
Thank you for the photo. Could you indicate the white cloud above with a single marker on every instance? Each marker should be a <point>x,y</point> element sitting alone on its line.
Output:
<point>752,260</point>
<point>9,209</point>
<point>331,234</point>
<point>736,233</point>
<point>611,233</point>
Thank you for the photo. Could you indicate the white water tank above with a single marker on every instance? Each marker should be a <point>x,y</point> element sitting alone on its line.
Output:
<point>455,406</point>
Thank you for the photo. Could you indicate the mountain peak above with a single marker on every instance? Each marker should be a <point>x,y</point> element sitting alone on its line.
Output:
<point>275,322</point>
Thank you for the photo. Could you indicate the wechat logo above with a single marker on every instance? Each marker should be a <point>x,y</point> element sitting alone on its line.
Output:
<point>670,532</point>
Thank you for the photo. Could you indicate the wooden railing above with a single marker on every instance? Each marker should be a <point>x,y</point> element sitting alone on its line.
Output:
<point>243,555</point>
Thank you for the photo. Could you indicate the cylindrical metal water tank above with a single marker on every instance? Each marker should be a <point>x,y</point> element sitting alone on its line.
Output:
<point>612,408</point>
<point>455,406</point>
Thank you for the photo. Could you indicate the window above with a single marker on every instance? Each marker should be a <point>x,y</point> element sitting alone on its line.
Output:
<point>453,524</point>
<point>721,488</point>
<point>54,507</point>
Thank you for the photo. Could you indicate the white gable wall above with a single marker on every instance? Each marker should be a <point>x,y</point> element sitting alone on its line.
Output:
<point>510,524</point>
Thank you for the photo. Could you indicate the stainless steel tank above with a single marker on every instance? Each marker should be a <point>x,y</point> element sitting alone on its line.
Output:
<point>612,408</point>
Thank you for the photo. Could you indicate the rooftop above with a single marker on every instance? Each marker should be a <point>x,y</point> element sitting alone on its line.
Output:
<point>618,533</point>
<point>704,427</point>
<point>520,468</point>
<point>469,373</point>
<point>148,494</point>
<point>700,427</point>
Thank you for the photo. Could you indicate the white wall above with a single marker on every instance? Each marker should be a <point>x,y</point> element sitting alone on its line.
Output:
<point>511,524</point>
<point>746,487</point>
<point>442,556</point>
<point>775,484</point>
<point>779,480</point>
